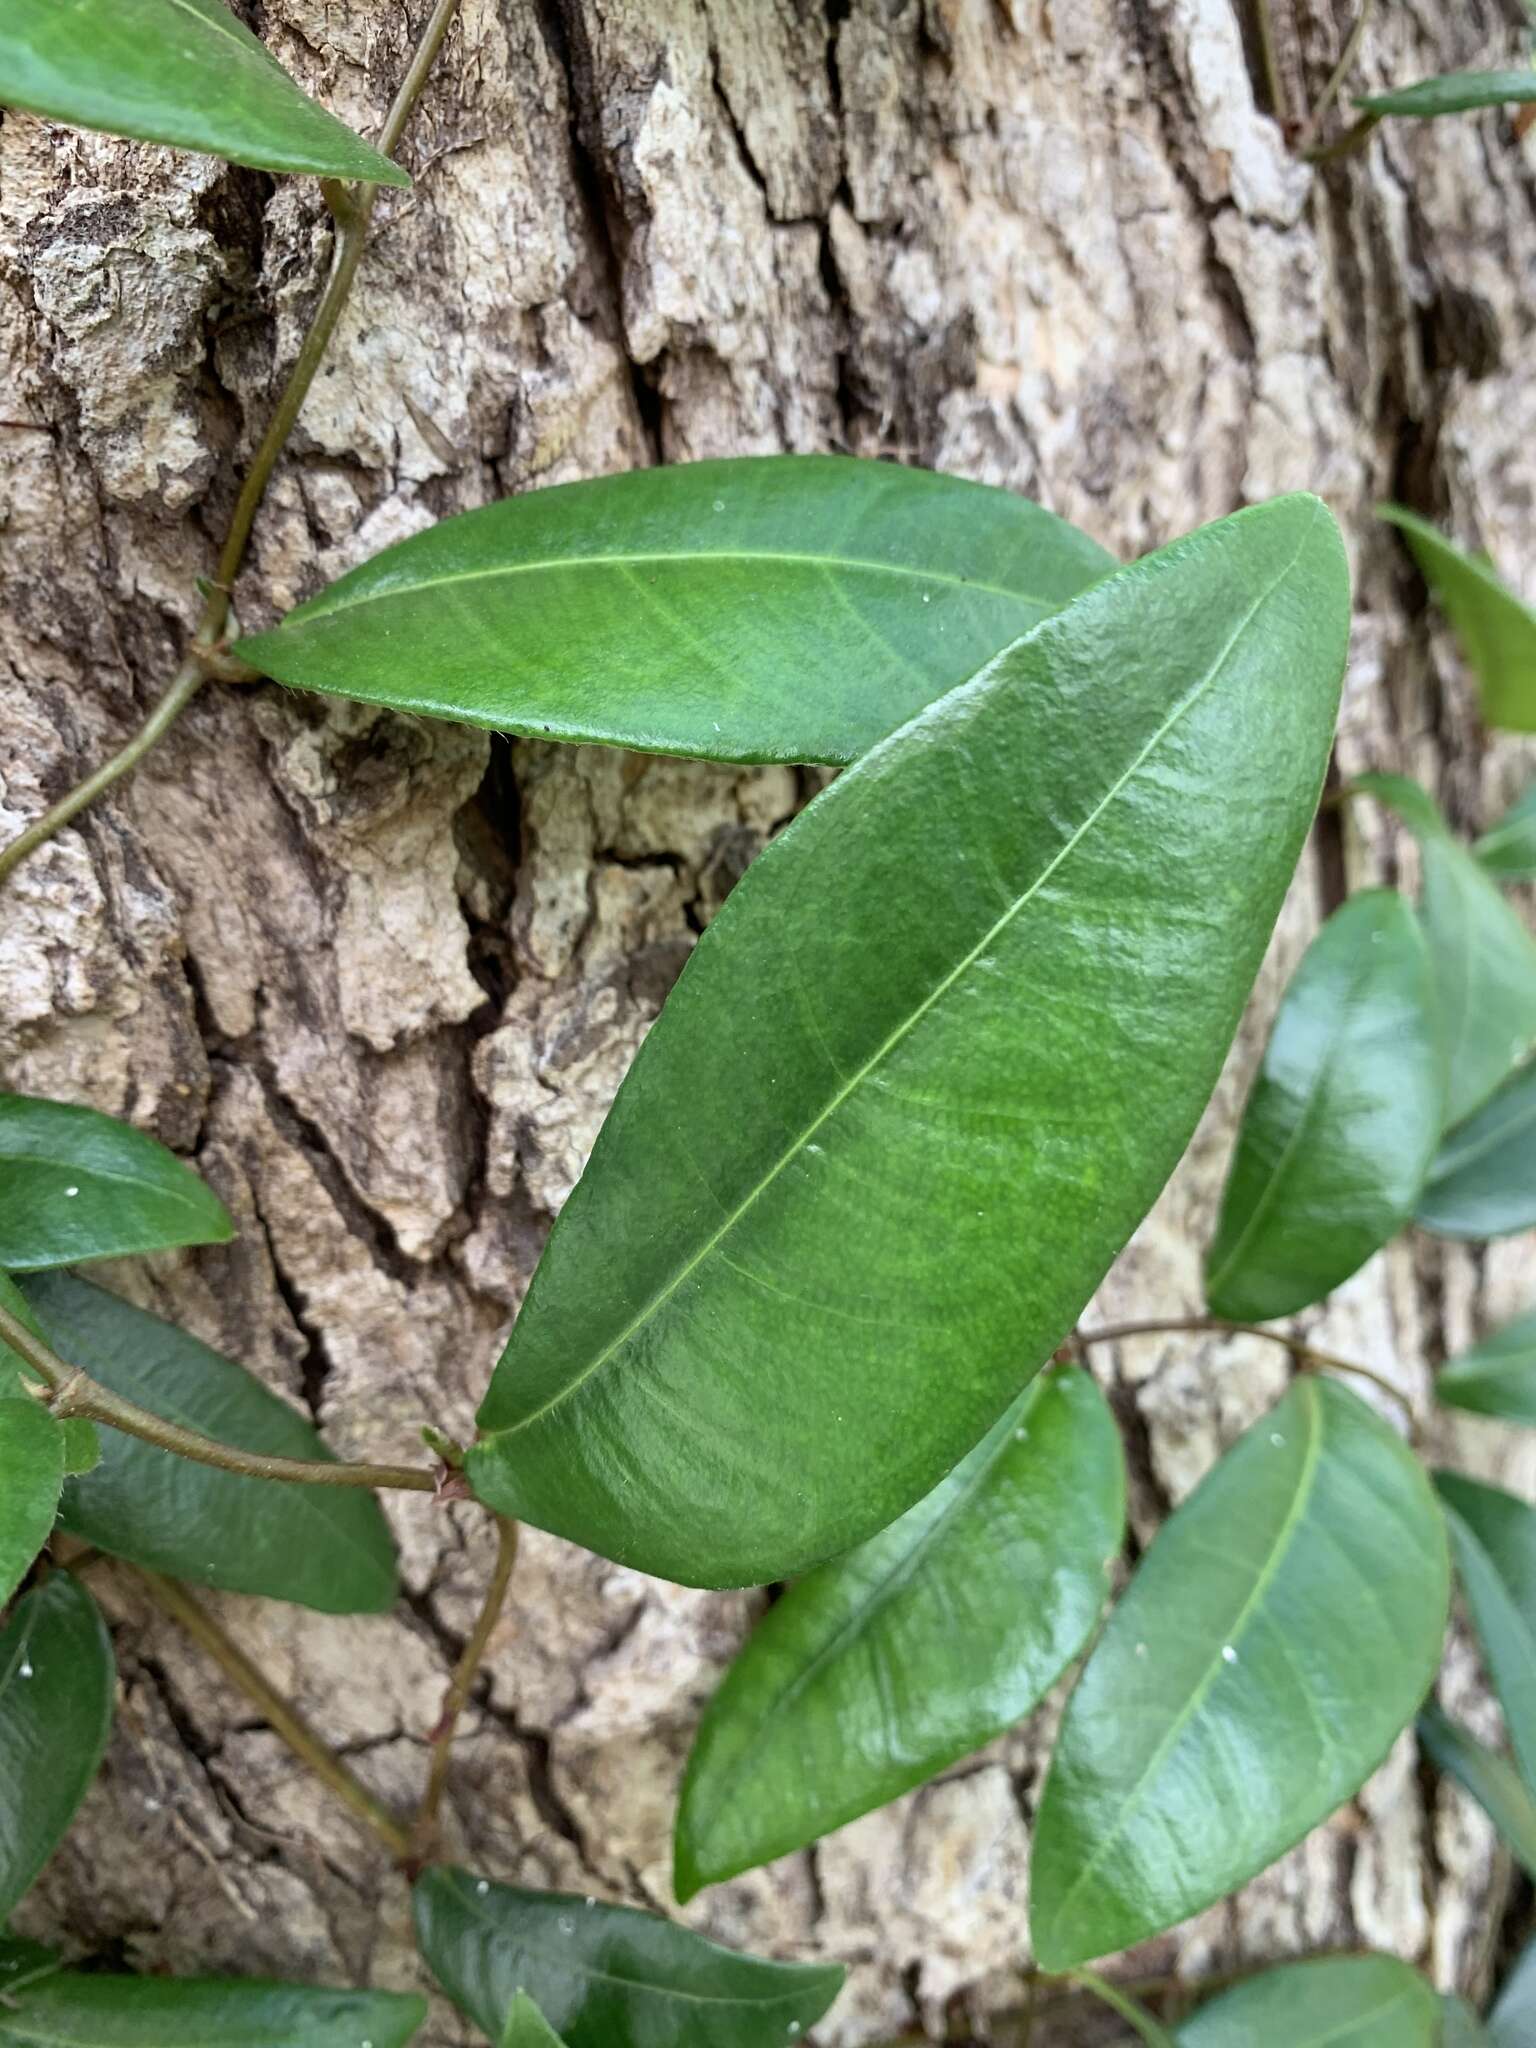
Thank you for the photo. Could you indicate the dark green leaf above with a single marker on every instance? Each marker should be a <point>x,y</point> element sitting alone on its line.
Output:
<point>1490,1779</point>
<point>893,1124</point>
<point>1484,958</point>
<point>1512,2023</point>
<point>1493,1542</point>
<point>1278,1635</point>
<point>1496,1377</point>
<point>527,2028</point>
<point>179,71</point>
<point>1509,850</point>
<point>1460,2026</point>
<point>99,2011</point>
<point>56,1687</point>
<point>1482,1182</point>
<point>31,1473</point>
<point>1497,631</point>
<point>770,608</point>
<point>605,1976</point>
<point>322,1546</point>
<point>78,1185</point>
<point>1343,1119</point>
<point>1456,92</point>
<point>1364,2001</point>
<point>887,1664</point>
<point>82,1446</point>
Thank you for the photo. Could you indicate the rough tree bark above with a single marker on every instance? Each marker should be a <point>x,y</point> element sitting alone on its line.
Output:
<point>379,978</point>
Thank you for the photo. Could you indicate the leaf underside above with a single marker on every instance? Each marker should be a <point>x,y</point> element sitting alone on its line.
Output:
<point>1361,2001</point>
<point>1497,1376</point>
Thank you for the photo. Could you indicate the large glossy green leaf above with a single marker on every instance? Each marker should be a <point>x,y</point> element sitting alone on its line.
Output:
<point>1509,849</point>
<point>1490,1779</point>
<point>1496,1377</point>
<point>82,1446</point>
<point>1348,2001</point>
<point>1512,2023</point>
<point>769,608</point>
<point>1493,1542</point>
<point>1497,631</point>
<point>179,71</point>
<point>918,1647</point>
<point>1484,958</point>
<point>1454,92</point>
<point>56,1688</point>
<point>1276,1638</point>
<point>924,1074</point>
<point>31,1473</point>
<point>527,2027</point>
<point>1343,1119</point>
<point>606,1976</point>
<point>321,1546</point>
<point>75,1184</point>
<point>75,2010</point>
<point>1482,1182</point>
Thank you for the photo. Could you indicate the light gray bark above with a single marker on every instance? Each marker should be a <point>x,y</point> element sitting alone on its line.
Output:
<point>379,978</point>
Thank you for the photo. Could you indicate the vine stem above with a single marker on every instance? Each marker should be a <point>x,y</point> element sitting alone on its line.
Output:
<point>1279,104</point>
<point>352,207</point>
<point>424,1833</point>
<point>1307,139</point>
<point>283,1719</point>
<point>1149,2030</point>
<point>72,1392</point>
<point>1306,1355</point>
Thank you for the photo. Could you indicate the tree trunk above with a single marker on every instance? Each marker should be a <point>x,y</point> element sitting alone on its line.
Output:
<point>380,977</point>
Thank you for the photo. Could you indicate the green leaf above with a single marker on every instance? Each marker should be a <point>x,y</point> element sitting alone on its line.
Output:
<point>1460,2026</point>
<point>1496,630</point>
<point>765,608</point>
<point>924,1074</point>
<point>1361,2001</point>
<point>321,1546</point>
<point>1512,2023</point>
<point>1493,1542</point>
<point>1484,958</point>
<point>56,1687</point>
<point>178,71</point>
<point>99,2011</point>
<point>31,1473</point>
<point>917,1648</point>
<point>606,1976</point>
<point>1509,850</point>
<point>1490,1779</point>
<point>21,1962</point>
<point>527,2027</point>
<point>75,1184</point>
<point>82,1446</point>
<point>1277,1637</point>
<point>1482,1182</point>
<point>1496,1377</point>
<point>1343,1119</point>
<point>1455,92</point>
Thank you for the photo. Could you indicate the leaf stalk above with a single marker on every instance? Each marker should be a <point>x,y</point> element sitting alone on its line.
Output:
<point>424,1833</point>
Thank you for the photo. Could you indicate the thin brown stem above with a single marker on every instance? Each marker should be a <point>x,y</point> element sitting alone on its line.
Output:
<point>424,1834</point>
<point>1274,79</point>
<point>1350,143</point>
<point>1307,1356</point>
<point>1330,92</point>
<point>283,1719</point>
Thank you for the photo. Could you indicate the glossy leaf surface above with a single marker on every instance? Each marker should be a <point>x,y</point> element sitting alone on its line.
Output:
<point>1277,1637</point>
<point>1484,958</point>
<point>527,2028</point>
<point>1482,1182</point>
<point>606,1976</point>
<point>31,1473</point>
<point>82,1446</point>
<point>1496,1377</point>
<point>1512,2023</point>
<point>1493,1545</point>
<point>1343,1119</point>
<point>1509,850</point>
<point>91,2010</point>
<point>1454,92</point>
<point>1348,2001</point>
<point>178,71</point>
<point>882,1667</point>
<point>1496,630</point>
<point>56,1688</point>
<point>766,608</point>
<point>78,1185</point>
<point>854,1192</point>
<point>1489,1778</point>
<point>321,1546</point>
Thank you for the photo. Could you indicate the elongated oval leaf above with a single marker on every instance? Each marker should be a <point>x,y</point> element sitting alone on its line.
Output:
<point>1509,850</point>
<point>321,1546</point>
<point>1361,2001</point>
<point>1493,1542</point>
<point>606,1976</point>
<point>1496,1377</point>
<point>1497,631</point>
<point>31,1473</point>
<point>768,608</point>
<point>81,1444</point>
<point>56,1687</point>
<point>1482,1182</point>
<point>1512,2023</point>
<point>886,1665</point>
<point>924,1074</point>
<point>97,2011</point>
<point>1490,1779</point>
<point>1277,1637</point>
<point>178,71</point>
<point>78,1185</point>
<point>1343,1119</point>
<point>1454,92</point>
<point>1484,958</point>
<point>527,2028</point>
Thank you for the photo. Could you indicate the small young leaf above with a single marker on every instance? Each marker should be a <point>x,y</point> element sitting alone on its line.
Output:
<point>1490,1779</point>
<point>887,1664</point>
<point>320,1546</point>
<point>31,1473</point>
<point>1276,1638</point>
<point>1496,1377</point>
<point>1482,1182</point>
<point>1509,850</point>
<point>1496,630</point>
<point>1512,2023</point>
<point>765,608</point>
<point>179,71</point>
<point>1454,92</point>
<point>606,1976</point>
<point>1343,1119</point>
<point>1364,2001</point>
<point>99,2011</point>
<point>56,1686</point>
<point>1493,1542</point>
<point>853,1192</point>
<point>82,1445</point>
<point>527,2027</point>
<point>1484,958</point>
<point>78,1185</point>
